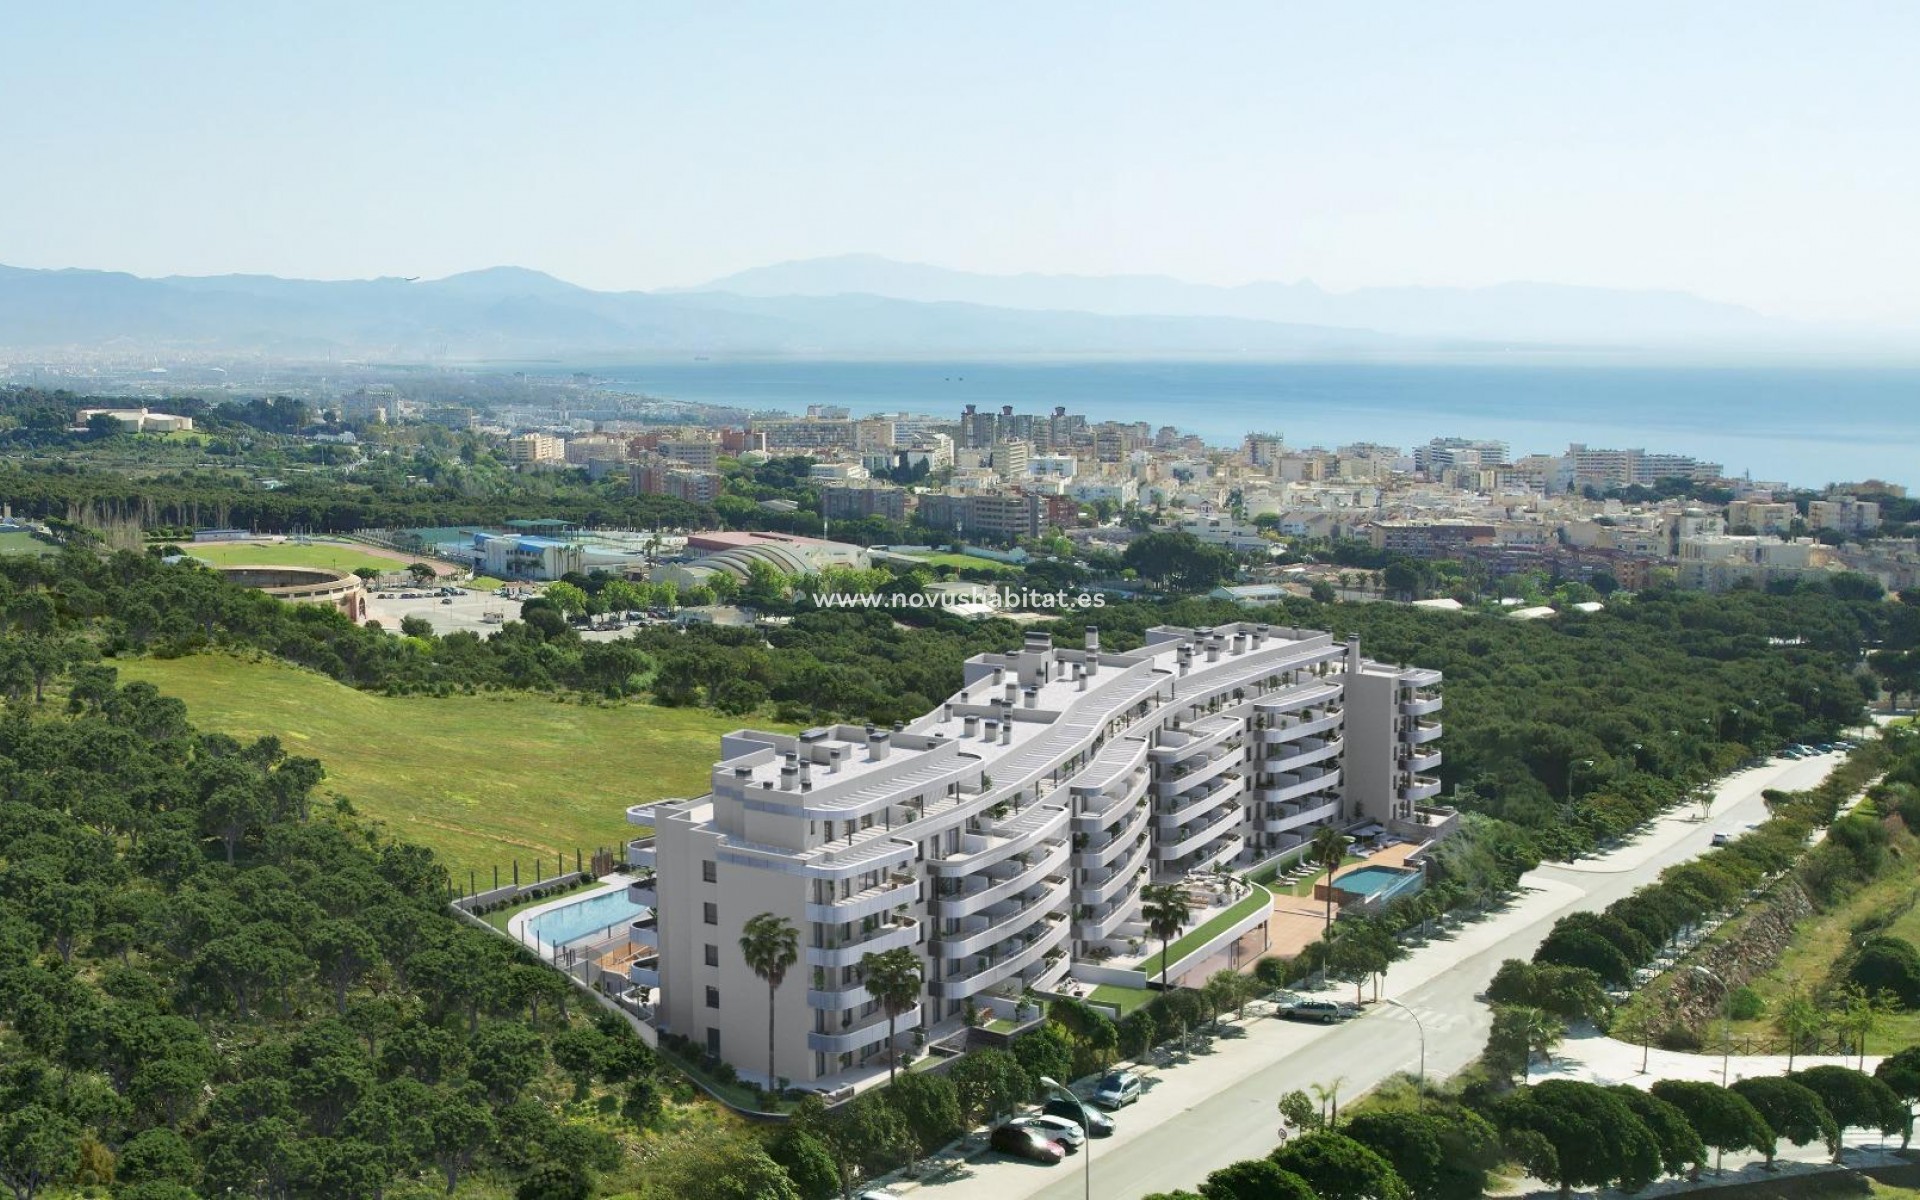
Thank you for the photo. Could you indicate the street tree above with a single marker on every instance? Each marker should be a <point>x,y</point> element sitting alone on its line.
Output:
<point>1724,1119</point>
<point>1791,1110</point>
<point>894,978</point>
<point>770,945</point>
<point>1336,1167</point>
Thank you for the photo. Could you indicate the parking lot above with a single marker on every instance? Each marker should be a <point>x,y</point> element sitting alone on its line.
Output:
<point>466,611</point>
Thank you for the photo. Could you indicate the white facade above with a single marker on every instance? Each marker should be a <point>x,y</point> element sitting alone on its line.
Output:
<point>1008,834</point>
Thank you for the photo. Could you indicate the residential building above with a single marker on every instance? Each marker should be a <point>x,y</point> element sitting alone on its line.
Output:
<point>1000,515</point>
<point>1004,838</point>
<point>1843,514</point>
<point>701,454</point>
<point>654,476</point>
<point>138,420</point>
<point>1761,516</point>
<point>533,449</point>
<point>863,498</point>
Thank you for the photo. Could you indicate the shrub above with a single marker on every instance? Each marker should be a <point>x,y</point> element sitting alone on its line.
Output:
<point>1745,1004</point>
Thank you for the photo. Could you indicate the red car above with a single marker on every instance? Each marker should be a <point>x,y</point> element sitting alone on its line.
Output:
<point>1022,1142</point>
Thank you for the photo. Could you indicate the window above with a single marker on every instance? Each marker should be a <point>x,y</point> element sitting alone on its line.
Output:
<point>710,913</point>
<point>713,997</point>
<point>713,1042</point>
<point>708,872</point>
<point>713,956</point>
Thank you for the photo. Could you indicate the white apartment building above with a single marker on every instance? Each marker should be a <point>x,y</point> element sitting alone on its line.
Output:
<point>1006,835</point>
<point>529,448</point>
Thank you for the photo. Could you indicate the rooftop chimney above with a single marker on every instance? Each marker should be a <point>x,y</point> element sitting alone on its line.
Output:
<point>969,726</point>
<point>1006,732</point>
<point>1032,697</point>
<point>833,759</point>
<point>789,775</point>
<point>1240,643</point>
<point>1093,637</point>
<point>879,744</point>
<point>1013,690</point>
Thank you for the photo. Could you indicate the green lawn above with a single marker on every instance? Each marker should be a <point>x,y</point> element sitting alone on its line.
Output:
<point>482,779</point>
<point>1126,999</point>
<point>1193,940</point>
<point>943,559</point>
<point>15,541</point>
<point>334,556</point>
<point>484,583</point>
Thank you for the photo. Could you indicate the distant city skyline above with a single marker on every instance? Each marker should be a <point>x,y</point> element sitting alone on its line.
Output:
<point>1759,154</point>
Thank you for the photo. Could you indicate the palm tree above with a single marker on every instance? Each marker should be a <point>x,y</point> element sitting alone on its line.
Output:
<point>770,945</point>
<point>893,977</point>
<point>1328,1094</point>
<point>1796,1017</point>
<point>1544,1032</point>
<point>1329,850</point>
<point>1167,910</point>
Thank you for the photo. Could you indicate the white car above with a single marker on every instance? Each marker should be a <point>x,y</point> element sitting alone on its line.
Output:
<point>1056,1129</point>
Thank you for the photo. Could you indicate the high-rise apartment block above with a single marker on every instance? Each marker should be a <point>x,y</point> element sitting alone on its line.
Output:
<point>1004,838</point>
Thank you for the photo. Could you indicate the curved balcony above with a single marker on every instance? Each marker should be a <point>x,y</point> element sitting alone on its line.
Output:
<point>1225,760</point>
<point>645,931</point>
<point>1420,707</point>
<point>888,935</point>
<point>1000,927</point>
<point>1304,753</point>
<point>1225,850</point>
<point>644,972</point>
<point>1186,808</point>
<point>1092,858</point>
<point>1102,809</point>
<point>1295,816</point>
<point>640,854</point>
<point>1116,879</point>
<point>644,892</point>
<point>1204,735</point>
<point>1289,786</point>
<point>1297,697</point>
<point>1002,840</point>
<point>982,891</point>
<point>1199,834</point>
<point>1420,732</point>
<point>895,889</point>
<point>1001,968</point>
<point>1420,764</point>
<point>1301,729</point>
<point>860,1036</point>
<point>1124,910</point>
<point>1423,787</point>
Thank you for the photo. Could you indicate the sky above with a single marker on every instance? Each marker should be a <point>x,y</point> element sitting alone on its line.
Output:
<point>1756,152</point>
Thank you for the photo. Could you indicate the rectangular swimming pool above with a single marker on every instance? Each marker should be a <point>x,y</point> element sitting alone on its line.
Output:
<point>591,917</point>
<point>1373,879</point>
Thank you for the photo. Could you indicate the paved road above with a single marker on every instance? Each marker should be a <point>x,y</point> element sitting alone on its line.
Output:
<point>1200,1116</point>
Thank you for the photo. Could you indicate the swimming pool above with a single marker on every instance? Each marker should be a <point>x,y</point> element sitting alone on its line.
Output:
<point>1374,880</point>
<point>590,917</point>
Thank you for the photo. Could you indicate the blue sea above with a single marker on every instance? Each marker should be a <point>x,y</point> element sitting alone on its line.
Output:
<point>1806,424</point>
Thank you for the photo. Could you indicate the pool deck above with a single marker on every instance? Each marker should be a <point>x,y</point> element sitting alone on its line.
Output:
<point>1299,921</point>
<point>517,924</point>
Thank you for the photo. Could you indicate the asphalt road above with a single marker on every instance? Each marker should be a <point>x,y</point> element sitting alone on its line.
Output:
<point>1219,1108</point>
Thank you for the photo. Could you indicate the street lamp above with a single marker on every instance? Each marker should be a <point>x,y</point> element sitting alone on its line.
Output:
<point>1726,1020</point>
<point>1086,1127</point>
<point>1418,1028</point>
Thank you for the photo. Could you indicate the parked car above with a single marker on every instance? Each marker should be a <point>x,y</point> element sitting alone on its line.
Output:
<point>1721,838</point>
<point>1056,1129</point>
<point>1324,1011</point>
<point>1117,1090</point>
<point>446,599</point>
<point>1098,1123</point>
<point>1022,1142</point>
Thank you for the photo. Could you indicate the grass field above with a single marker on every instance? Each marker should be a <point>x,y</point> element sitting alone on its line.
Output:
<point>334,556</point>
<point>18,542</point>
<point>967,560</point>
<point>482,779</point>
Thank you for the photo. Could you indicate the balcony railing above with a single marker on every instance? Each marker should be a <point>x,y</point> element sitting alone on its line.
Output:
<point>999,927</point>
<point>644,892</point>
<point>1423,787</point>
<point>1287,787</point>
<point>894,889</point>
<point>644,972</point>
<point>865,1034</point>
<point>640,854</point>
<point>1098,889</point>
<point>1093,857</point>
<point>978,978</point>
<point>1420,764</point>
<point>890,934</point>
<point>1420,732</point>
<point>1199,833</point>
<point>1177,812</point>
<point>1295,816</point>
<point>1420,707</point>
<point>981,891</point>
<point>645,931</point>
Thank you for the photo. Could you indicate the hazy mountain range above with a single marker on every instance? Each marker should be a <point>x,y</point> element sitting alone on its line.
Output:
<point>849,306</point>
